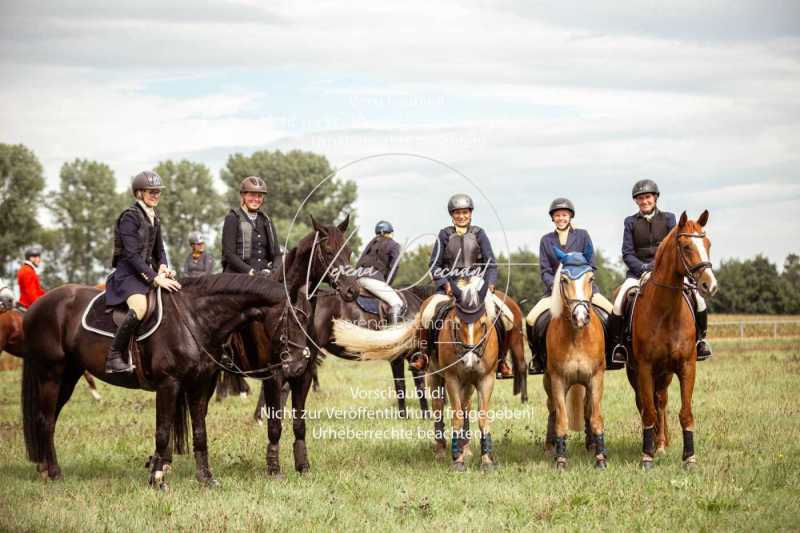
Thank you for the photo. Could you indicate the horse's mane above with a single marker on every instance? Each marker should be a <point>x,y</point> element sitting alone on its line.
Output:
<point>228,284</point>
<point>661,251</point>
<point>556,304</point>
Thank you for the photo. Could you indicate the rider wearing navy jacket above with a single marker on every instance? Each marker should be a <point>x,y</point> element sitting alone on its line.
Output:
<point>642,235</point>
<point>566,238</point>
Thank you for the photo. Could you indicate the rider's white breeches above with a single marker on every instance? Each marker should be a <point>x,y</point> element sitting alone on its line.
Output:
<point>381,290</point>
<point>544,304</point>
<point>632,282</point>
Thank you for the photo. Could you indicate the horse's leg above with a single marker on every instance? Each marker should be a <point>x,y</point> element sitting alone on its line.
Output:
<point>686,377</point>
<point>92,385</point>
<point>550,437</point>
<point>437,402</point>
<point>258,415</point>
<point>419,386</point>
<point>272,390</point>
<point>455,393</point>
<point>558,395</point>
<point>661,399</point>
<point>648,413</point>
<point>300,388</point>
<point>485,388</point>
<point>166,402</point>
<point>594,397</point>
<point>466,407</point>
<point>60,394</point>
<point>198,407</point>
<point>399,385</point>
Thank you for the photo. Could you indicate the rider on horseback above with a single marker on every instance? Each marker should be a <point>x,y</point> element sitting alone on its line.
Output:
<point>249,240</point>
<point>462,259</point>
<point>30,289</point>
<point>6,298</point>
<point>568,239</point>
<point>378,264</point>
<point>198,262</point>
<point>644,231</point>
<point>138,251</point>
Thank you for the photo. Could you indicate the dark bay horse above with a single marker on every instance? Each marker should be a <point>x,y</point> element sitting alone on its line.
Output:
<point>573,379</point>
<point>12,340</point>
<point>181,357</point>
<point>663,334</point>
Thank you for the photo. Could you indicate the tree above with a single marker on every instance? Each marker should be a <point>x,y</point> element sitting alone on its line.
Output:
<point>751,286</point>
<point>290,178</point>
<point>188,203</point>
<point>21,184</point>
<point>790,285</point>
<point>86,208</point>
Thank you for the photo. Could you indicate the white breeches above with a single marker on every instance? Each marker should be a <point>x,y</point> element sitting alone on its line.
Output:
<point>381,290</point>
<point>632,282</point>
<point>138,304</point>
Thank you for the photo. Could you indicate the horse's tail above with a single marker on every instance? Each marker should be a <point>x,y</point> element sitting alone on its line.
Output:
<point>575,399</point>
<point>385,344</point>
<point>180,426</point>
<point>34,444</point>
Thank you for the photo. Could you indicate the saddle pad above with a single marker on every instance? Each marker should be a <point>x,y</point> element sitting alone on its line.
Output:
<point>369,304</point>
<point>98,319</point>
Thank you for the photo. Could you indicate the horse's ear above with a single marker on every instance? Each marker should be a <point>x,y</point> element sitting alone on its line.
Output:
<point>318,227</point>
<point>559,254</point>
<point>588,252</point>
<point>682,221</point>
<point>344,223</point>
<point>703,218</point>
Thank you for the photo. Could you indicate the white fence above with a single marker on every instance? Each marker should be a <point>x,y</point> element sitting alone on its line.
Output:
<point>754,328</point>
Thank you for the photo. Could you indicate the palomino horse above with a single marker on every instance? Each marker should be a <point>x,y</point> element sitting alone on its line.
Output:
<point>178,359</point>
<point>466,360</point>
<point>12,340</point>
<point>575,359</point>
<point>663,334</point>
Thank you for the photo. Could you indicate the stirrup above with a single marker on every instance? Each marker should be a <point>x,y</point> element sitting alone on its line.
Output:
<point>708,352</point>
<point>616,357</point>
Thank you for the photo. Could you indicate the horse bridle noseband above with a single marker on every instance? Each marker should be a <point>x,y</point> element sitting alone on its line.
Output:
<point>574,303</point>
<point>689,271</point>
<point>286,342</point>
<point>463,348</point>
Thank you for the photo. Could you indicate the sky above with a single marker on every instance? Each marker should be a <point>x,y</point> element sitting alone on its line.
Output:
<point>513,102</point>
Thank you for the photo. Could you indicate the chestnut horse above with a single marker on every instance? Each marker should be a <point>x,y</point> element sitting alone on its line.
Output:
<point>575,359</point>
<point>663,334</point>
<point>12,340</point>
<point>466,360</point>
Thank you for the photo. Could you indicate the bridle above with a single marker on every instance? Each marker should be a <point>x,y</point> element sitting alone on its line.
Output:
<point>689,271</point>
<point>286,342</point>
<point>574,303</point>
<point>320,260</point>
<point>463,348</point>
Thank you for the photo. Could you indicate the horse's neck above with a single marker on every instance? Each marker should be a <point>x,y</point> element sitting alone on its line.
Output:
<point>665,284</point>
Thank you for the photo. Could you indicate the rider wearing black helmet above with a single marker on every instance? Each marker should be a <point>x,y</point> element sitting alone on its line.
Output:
<point>567,238</point>
<point>198,262</point>
<point>378,266</point>
<point>139,261</point>
<point>644,231</point>
<point>249,241</point>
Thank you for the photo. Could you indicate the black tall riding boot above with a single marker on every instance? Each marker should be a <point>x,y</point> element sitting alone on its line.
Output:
<point>535,367</point>
<point>703,347</point>
<point>117,360</point>
<point>619,353</point>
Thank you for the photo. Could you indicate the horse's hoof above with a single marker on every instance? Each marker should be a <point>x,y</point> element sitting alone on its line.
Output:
<point>211,483</point>
<point>467,452</point>
<point>276,475</point>
<point>163,487</point>
<point>661,450</point>
<point>402,413</point>
<point>600,464</point>
<point>561,464</point>
<point>647,464</point>
<point>440,454</point>
<point>304,470</point>
<point>459,467</point>
<point>690,463</point>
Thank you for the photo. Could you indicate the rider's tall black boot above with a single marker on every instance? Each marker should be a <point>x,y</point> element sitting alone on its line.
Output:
<point>619,353</point>
<point>117,360</point>
<point>703,347</point>
<point>535,366</point>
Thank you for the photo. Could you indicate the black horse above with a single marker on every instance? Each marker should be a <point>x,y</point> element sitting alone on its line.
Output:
<point>179,359</point>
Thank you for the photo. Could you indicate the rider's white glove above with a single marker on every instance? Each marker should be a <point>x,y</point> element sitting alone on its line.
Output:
<point>166,283</point>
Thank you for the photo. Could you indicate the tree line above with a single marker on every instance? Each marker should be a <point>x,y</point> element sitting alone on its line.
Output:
<point>85,206</point>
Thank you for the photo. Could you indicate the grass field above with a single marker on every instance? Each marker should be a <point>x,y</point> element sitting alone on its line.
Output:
<point>747,441</point>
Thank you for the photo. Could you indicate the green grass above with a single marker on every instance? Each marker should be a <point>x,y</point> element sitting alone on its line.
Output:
<point>747,442</point>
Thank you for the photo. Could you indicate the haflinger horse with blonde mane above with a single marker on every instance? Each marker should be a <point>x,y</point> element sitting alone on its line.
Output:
<point>663,334</point>
<point>575,359</point>
<point>465,360</point>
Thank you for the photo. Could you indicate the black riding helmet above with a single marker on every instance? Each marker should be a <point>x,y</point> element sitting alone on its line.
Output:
<point>562,203</point>
<point>383,227</point>
<point>33,251</point>
<point>147,179</point>
<point>460,201</point>
<point>645,187</point>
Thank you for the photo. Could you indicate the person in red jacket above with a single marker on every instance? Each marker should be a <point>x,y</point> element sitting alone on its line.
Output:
<point>28,277</point>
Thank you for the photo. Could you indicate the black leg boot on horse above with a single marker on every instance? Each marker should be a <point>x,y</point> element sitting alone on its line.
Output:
<point>703,347</point>
<point>117,360</point>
